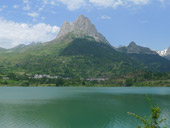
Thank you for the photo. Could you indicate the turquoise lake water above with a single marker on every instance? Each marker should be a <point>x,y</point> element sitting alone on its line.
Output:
<point>48,107</point>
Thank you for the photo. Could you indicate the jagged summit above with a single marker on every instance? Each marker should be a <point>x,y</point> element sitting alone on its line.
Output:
<point>164,52</point>
<point>82,26</point>
<point>132,44</point>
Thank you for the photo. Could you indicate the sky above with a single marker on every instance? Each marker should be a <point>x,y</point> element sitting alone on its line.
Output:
<point>146,22</point>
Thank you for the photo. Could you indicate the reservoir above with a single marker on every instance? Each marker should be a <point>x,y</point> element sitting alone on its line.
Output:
<point>76,107</point>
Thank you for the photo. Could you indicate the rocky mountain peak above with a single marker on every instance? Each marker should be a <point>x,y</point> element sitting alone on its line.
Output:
<point>82,18</point>
<point>165,52</point>
<point>169,49</point>
<point>132,44</point>
<point>134,48</point>
<point>81,26</point>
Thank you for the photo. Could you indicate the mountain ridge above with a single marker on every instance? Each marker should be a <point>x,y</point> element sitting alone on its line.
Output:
<point>79,54</point>
<point>134,48</point>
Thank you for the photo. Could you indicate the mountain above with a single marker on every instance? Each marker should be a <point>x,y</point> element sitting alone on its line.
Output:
<point>21,48</point>
<point>165,53</point>
<point>81,28</point>
<point>134,48</point>
<point>168,57</point>
<point>80,51</point>
<point>147,57</point>
<point>18,48</point>
<point>2,50</point>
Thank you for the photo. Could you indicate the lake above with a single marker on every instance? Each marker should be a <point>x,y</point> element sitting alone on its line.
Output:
<point>65,107</point>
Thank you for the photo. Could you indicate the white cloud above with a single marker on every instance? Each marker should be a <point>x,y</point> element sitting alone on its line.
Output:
<point>45,1</point>
<point>27,7</point>
<point>16,6</point>
<point>139,1</point>
<point>116,3</point>
<point>105,17</point>
<point>34,19</point>
<point>73,4</point>
<point>12,33</point>
<point>76,4</point>
<point>43,18</point>
<point>162,1</point>
<point>106,3</point>
<point>26,1</point>
<point>144,21</point>
<point>33,14</point>
<point>40,9</point>
<point>2,7</point>
<point>53,2</point>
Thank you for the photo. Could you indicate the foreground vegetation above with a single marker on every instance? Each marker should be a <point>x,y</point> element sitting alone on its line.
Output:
<point>153,121</point>
<point>136,79</point>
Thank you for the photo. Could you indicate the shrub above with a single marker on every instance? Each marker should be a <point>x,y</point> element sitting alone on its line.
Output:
<point>153,121</point>
<point>129,82</point>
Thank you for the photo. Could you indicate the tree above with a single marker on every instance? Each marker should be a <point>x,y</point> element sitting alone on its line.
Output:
<point>129,82</point>
<point>83,83</point>
<point>24,83</point>
<point>148,75</point>
<point>5,82</point>
<point>12,76</point>
<point>153,121</point>
<point>59,82</point>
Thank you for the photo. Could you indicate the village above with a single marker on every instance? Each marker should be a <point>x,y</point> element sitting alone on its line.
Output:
<point>40,76</point>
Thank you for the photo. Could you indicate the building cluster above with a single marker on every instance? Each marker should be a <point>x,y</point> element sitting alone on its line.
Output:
<point>5,78</point>
<point>39,76</point>
<point>97,79</point>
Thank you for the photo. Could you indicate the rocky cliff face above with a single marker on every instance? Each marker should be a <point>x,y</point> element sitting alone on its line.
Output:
<point>134,48</point>
<point>81,27</point>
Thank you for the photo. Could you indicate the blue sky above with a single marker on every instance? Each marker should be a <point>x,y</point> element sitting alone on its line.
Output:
<point>147,22</point>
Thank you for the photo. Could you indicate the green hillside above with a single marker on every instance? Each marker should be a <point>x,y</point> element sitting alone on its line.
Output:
<point>151,62</point>
<point>77,57</point>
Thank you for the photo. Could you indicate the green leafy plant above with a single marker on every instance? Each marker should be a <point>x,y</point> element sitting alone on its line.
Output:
<point>153,121</point>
